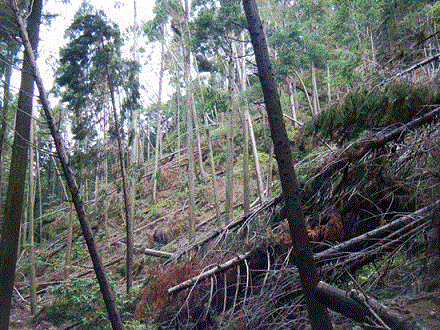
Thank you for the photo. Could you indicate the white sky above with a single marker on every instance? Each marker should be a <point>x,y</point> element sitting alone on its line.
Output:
<point>51,38</point>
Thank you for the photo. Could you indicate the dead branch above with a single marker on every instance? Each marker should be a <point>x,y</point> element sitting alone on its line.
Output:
<point>417,65</point>
<point>356,243</point>
<point>216,270</point>
<point>211,235</point>
<point>360,148</point>
<point>380,238</point>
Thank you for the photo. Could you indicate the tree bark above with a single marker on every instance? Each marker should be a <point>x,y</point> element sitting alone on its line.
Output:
<point>362,308</point>
<point>256,160</point>
<point>213,177</point>
<point>316,106</point>
<point>10,229</point>
<point>291,91</point>
<point>243,79</point>
<point>302,255</point>
<point>4,115</point>
<point>157,152</point>
<point>31,203</point>
<point>128,220</point>
<point>189,125</point>
<point>107,294</point>
<point>40,204</point>
<point>230,137</point>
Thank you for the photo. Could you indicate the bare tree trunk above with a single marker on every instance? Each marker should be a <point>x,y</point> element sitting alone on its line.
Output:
<point>4,115</point>
<point>189,124</point>
<point>269,171</point>
<point>213,176</point>
<point>315,91</point>
<point>156,173</point>
<point>31,203</point>
<point>107,294</point>
<point>243,78</point>
<point>291,92</point>
<point>69,243</point>
<point>256,160</point>
<point>157,152</point>
<point>128,220</point>
<point>329,90</point>
<point>197,127</point>
<point>305,92</point>
<point>232,105</point>
<point>10,226</point>
<point>303,256</point>
<point>40,204</point>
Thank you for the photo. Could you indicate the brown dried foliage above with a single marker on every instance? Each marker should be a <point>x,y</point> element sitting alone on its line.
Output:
<point>157,306</point>
<point>332,230</point>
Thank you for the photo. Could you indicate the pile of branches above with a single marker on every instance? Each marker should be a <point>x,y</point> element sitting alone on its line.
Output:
<point>383,188</point>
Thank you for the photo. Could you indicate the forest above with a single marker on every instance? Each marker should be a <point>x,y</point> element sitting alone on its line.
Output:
<point>285,174</point>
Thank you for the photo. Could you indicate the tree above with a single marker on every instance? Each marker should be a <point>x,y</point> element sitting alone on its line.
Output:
<point>109,300</point>
<point>8,55</point>
<point>19,159</point>
<point>91,64</point>
<point>155,30</point>
<point>303,256</point>
<point>189,122</point>
<point>216,28</point>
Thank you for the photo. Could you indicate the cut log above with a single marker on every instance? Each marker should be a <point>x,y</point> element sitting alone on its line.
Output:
<point>157,253</point>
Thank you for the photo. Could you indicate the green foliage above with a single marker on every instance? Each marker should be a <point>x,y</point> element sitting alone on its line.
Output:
<point>78,301</point>
<point>364,109</point>
<point>88,62</point>
<point>212,27</point>
<point>435,12</point>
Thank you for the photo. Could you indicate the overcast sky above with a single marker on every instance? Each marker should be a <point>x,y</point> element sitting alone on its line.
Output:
<point>51,38</point>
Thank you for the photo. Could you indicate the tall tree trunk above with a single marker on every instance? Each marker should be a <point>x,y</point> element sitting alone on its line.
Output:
<point>157,152</point>
<point>128,220</point>
<point>199,145</point>
<point>213,176</point>
<point>31,203</point>
<point>318,314</point>
<point>232,105</point>
<point>10,229</point>
<point>197,125</point>
<point>178,119</point>
<point>269,171</point>
<point>4,115</point>
<point>291,92</point>
<point>329,89</point>
<point>316,106</point>
<point>107,294</point>
<point>243,79</point>
<point>69,243</point>
<point>40,204</point>
<point>156,156</point>
<point>256,160</point>
<point>136,150</point>
<point>305,92</point>
<point>189,125</point>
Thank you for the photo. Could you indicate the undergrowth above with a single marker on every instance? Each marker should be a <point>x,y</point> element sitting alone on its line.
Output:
<point>364,109</point>
<point>80,302</point>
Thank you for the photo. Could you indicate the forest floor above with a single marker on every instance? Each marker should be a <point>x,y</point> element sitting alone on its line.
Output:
<point>410,284</point>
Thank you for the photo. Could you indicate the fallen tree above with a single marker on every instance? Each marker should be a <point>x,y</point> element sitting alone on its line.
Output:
<point>364,309</point>
<point>333,263</point>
